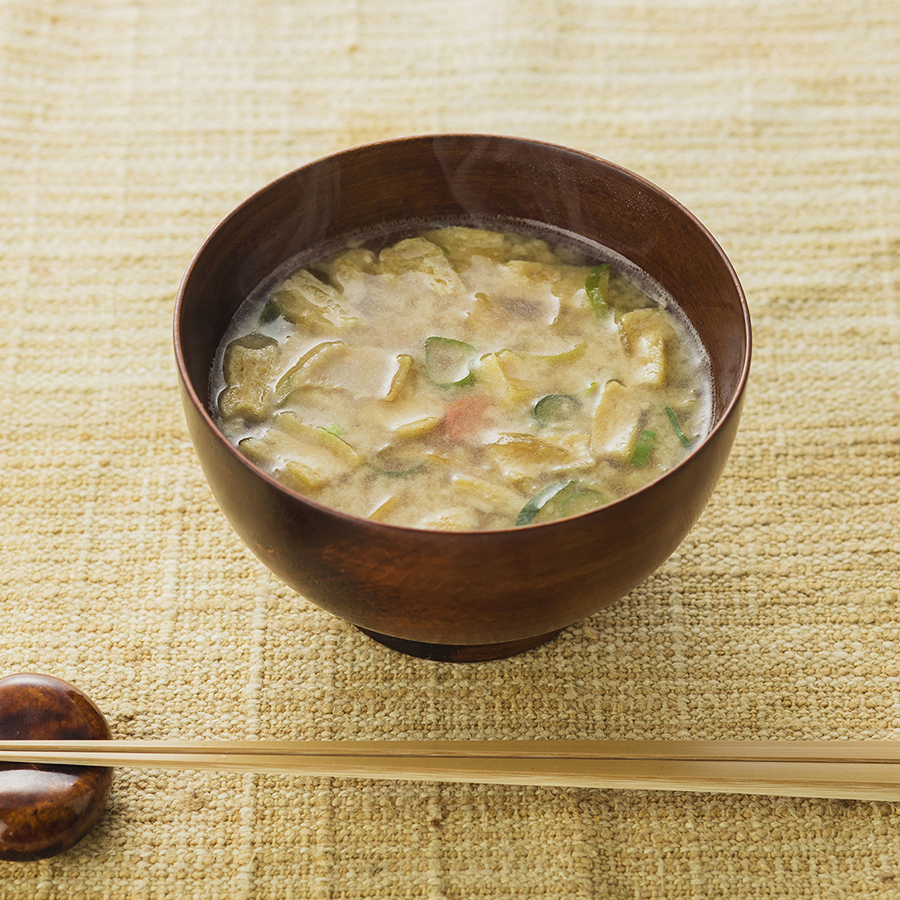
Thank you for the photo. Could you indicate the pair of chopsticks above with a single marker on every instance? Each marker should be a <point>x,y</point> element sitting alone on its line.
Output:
<point>864,770</point>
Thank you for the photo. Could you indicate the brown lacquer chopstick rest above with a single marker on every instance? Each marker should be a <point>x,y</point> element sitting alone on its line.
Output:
<point>46,809</point>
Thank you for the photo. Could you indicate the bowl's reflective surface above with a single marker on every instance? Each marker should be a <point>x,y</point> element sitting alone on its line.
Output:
<point>462,595</point>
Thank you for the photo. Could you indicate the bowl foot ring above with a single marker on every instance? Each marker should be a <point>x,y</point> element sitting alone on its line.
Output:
<point>460,652</point>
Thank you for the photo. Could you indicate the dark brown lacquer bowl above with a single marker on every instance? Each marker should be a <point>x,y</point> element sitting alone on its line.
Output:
<point>461,596</point>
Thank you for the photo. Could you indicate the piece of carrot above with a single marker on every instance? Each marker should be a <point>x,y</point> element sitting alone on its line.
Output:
<point>465,416</point>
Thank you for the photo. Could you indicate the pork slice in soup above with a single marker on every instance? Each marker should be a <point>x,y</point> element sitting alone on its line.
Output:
<point>462,378</point>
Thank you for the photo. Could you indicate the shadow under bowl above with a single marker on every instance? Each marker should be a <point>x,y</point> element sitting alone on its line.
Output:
<point>477,595</point>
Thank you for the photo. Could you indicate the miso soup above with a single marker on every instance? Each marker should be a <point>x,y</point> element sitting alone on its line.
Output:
<point>462,378</point>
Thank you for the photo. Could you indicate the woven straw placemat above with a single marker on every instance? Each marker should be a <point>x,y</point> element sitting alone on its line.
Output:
<point>129,127</point>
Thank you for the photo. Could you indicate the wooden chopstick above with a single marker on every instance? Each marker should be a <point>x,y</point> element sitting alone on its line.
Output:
<point>760,751</point>
<point>841,769</point>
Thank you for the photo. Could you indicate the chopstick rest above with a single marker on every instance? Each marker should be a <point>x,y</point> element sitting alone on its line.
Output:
<point>45,809</point>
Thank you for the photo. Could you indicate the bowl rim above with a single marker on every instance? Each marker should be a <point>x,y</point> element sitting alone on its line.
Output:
<point>722,417</point>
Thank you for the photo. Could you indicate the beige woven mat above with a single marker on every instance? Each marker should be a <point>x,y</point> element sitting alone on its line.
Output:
<point>129,127</point>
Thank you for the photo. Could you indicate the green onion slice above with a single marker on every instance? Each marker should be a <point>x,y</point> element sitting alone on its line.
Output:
<point>537,503</point>
<point>581,501</point>
<point>555,408</point>
<point>597,288</point>
<point>398,473</point>
<point>572,352</point>
<point>643,447</point>
<point>685,440</point>
<point>560,500</point>
<point>270,312</point>
<point>449,363</point>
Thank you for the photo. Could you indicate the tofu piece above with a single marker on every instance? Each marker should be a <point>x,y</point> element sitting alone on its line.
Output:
<point>461,243</point>
<point>493,371</point>
<point>518,457</point>
<point>362,372</point>
<point>419,428</point>
<point>402,376</point>
<point>578,446</point>
<point>451,519</point>
<point>249,367</point>
<point>569,287</point>
<point>531,249</point>
<point>650,351</point>
<point>422,256</point>
<point>487,496</point>
<point>311,304</point>
<point>616,424</point>
<point>351,266</point>
<point>535,370</point>
<point>300,477</point>
<point>385,510</point>
<point>305,456</point>
<point>300,372</point>
<point>647,333</point>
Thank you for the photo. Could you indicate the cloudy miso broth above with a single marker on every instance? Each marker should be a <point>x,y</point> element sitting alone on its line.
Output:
<point>462,378</point>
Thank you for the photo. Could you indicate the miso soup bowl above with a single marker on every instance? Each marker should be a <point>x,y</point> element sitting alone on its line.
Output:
<point>470,595</point>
